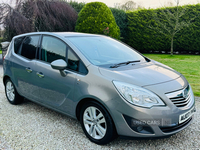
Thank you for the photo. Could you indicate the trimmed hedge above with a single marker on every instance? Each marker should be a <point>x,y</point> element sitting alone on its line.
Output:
<point>121,20</point>
<point>96,17</point>
<point>144,39</point>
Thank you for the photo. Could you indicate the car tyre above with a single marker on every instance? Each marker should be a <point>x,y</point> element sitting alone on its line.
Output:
<point>97,123</point>
<point>12,94</point>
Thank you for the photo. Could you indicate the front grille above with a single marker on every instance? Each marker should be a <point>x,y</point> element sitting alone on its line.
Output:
<point>180,98</point>
<point>181,101</point>
<point>174,128</point>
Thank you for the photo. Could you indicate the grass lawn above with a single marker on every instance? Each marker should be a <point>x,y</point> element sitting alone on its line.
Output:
<point>188,65</point>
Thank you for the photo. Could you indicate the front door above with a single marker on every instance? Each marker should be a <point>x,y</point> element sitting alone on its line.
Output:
<point>54,89</point>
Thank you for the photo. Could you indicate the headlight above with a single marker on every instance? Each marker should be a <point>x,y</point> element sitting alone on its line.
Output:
<point>137,95</point>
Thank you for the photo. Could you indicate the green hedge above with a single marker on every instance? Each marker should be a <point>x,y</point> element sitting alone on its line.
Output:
<point>144,39</point>
<point>122,22</point>
<point>96,17</point>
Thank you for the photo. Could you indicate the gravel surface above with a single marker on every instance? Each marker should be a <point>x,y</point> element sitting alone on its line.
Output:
<point>31,126</point>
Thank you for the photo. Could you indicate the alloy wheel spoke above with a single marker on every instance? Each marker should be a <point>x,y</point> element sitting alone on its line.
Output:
<point>94,132</point>
<point>10,86</point>
<point>100,115</point>
<point>103,130</point>
<point>101,121</point>
<point>87,117</point>
<point>91,113</point>
<point>87,122</point>
<point>99,132</point>
<point>91,130</point>
<point>12,90</point>
<point>12,96</point>
<point>94,112</point>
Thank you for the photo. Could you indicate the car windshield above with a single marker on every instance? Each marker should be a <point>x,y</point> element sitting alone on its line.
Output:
<point>100,50</point>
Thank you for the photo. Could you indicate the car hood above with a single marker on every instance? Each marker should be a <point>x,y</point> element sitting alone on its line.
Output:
<point>141,74</point>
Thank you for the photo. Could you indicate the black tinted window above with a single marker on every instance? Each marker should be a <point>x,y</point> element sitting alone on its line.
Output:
<point>29,46</point>
<point>52,49</point>
<point>17,44</point>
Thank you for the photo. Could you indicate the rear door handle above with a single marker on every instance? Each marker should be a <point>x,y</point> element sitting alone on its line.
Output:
<point>39,74</point>
<point>29,70</point>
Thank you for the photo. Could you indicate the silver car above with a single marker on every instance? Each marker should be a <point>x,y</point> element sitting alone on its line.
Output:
<point>108,86</point>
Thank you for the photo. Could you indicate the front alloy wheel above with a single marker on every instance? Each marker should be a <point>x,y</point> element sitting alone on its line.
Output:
<point>97,123</point>
<point>94,122</point>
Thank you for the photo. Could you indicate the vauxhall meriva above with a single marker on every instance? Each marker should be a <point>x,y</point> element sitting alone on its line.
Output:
<point>108,86</point>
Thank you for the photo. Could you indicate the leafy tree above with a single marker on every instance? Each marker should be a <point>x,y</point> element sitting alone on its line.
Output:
<point>37,15</point>
<point>128,5</point>
<point>174,23</point>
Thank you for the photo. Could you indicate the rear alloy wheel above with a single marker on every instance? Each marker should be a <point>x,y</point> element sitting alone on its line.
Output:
<point>11,93</point>
<point>97,123</point>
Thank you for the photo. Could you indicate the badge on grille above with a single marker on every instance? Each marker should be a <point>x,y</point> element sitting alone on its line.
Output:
<point>185,93</point>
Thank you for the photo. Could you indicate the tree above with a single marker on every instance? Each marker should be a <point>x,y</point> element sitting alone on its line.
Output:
<point>97,18</point>
<point>76,5</point>
<point>37,15</point>
<point>173,23</point>
<point>128,5</point>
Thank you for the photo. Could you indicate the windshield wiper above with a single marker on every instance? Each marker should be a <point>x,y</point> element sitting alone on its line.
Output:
<point>124,63</point>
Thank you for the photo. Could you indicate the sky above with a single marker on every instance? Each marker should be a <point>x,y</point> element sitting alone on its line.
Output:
<point>143,3</point>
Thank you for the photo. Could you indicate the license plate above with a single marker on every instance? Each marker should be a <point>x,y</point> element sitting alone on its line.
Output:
<point>187,115</point>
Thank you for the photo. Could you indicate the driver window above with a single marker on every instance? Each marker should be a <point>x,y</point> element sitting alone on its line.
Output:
<point>52,49</point>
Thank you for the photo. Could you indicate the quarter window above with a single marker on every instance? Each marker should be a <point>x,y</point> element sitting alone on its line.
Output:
<point>74,63</point>
<point>29,46</point>
<point>52,49</point>
<point>17,44</point>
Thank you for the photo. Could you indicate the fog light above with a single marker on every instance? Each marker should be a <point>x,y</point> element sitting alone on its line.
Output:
<point>138,126</point>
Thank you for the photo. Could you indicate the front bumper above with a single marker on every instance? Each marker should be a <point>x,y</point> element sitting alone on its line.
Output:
<point>133,121</point>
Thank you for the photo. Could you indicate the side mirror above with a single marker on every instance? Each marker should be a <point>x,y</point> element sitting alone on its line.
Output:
<point>59,64</point>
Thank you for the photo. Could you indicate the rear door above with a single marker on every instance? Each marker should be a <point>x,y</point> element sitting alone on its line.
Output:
<point>25,49</point>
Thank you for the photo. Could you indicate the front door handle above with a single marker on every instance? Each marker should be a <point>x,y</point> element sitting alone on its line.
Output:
<point>29,70</point>
<point>39,74</point>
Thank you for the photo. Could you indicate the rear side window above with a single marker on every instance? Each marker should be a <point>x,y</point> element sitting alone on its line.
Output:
<point>17,44</point>
<point>29,46</point>
<point>52,49</point>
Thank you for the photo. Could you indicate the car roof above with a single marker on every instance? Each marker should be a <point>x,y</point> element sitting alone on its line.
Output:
<point>68,34</point>
<point>62,34</point>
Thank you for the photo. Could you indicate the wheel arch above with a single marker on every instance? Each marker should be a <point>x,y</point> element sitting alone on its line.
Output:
<point>86,100</point>
<point>5,78</point>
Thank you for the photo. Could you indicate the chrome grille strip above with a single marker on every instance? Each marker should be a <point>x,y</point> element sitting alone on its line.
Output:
<point>181,105</point>
<point>179,98</point>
